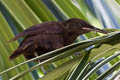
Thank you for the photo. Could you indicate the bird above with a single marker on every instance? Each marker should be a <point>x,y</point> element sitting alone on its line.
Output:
<point>47,36</point>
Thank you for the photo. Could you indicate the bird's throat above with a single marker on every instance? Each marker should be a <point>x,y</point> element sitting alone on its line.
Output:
<point>70,38</point>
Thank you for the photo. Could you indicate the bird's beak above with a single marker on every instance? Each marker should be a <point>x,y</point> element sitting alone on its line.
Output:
<point>95,29</point>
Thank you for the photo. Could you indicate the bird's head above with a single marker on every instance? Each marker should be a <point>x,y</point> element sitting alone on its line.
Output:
<point>79,26</point>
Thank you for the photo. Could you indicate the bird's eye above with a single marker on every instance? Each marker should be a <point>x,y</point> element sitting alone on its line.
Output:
<point>80,24</point>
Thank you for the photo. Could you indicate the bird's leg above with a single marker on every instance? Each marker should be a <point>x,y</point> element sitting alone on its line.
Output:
<point>43,70</point>
<point>36,56</point>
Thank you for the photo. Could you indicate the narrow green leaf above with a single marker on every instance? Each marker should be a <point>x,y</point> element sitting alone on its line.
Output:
<point>83,72</point>
<point>89,15</point>
<point>32,68</point>
<point>68,8</point>
<point>115,75</point>
<point>70,49</point>
<point>21,13</point>
<point>118,1</point>
<point>101,64</point>
<point>56,73</point>
<point>106,49</point>
<point>78,69</point>
<point>41,10</point>
<point>109,71</point>
<point>6,49</point>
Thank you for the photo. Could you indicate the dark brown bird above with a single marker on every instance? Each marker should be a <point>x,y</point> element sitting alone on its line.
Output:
<point>49,36</point>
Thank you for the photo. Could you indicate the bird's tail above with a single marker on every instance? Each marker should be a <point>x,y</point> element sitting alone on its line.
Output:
<point>15,54</point>
<point>19,51</point>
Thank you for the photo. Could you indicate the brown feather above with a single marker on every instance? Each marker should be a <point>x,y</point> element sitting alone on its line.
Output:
<point>49,36</point>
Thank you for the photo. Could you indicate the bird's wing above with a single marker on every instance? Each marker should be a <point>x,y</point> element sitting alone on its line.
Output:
<point>57,41</point>
<point>44,28</point>
<point>49,41</point>
<point>41,44</point>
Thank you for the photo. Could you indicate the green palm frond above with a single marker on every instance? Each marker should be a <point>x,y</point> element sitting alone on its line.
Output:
<point>65,64</point>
